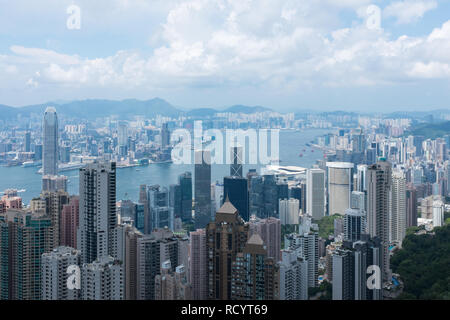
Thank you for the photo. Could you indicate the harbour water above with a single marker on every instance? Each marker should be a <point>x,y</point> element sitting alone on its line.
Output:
<point>292,144</point>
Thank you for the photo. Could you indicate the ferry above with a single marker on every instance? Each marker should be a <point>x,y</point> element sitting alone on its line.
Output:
<point>28,164</point>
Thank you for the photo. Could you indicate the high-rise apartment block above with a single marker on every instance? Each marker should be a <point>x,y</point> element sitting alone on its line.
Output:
<point>315,193</point>
<point>50,146</point>
<point>226,237</point>
<point>379,182</point>
<point>54,275</point>
<point>254,276</point>
<point>102,279</point>
<point>198,264</point>
<point>98,216</point>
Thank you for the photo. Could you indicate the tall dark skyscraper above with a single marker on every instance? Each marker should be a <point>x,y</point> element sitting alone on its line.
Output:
<point>264,193</point>
<point>350,263</point>
<point>379,184</point>
<point>202,188</point>
<point>180,198</point>
<point>185,182</point>
<point>225,238</point>
<point>165,136</point>
<point>236,189</point>
<point>50,137</point>
<point>236,161</point>
<point>354,224</point>
<point>411,206</point>
<point>143,199</point>
<point>27,142</point>
<point>98,218</point>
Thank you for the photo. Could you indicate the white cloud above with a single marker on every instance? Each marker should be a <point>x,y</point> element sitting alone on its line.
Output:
<point>432,70</point>
<point>408,11</point>
<point>284,45</point>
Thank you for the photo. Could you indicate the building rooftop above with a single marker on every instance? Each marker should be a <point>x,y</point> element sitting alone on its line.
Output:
<point>255,239</point>
<point>227,207</point>
<point>340,165</point>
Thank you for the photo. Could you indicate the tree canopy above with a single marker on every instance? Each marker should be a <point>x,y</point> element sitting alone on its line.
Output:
<point>424,265</point>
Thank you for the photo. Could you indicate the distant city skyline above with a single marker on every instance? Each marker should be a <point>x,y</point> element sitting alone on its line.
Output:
<point>328,55</point>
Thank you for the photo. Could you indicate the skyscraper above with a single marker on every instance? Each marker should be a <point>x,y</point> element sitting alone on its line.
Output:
<point>289,211</point>
<point>293,276</point>
<point>69,222</point>
<point>411,206</point>
<point>398,208</point>
<point>236,189</point>
<point>254,276</point>
<point>198,264</point>
<point>54,274</point>
<point>379,182</point>
<point>264,193</point>
<point>343,275</point>
<point>171,285</point>
<point>161,214</point>
<point>315,193</point>
<point>54,202</point>
<point>358,200</point>
<point>122,138</point>
<point>270,231</point>
<point>143,199</point>
<point>202,188</point>
<point>354,224</point>
<point>236,161</point>
<point>54,183</point>
<point>350,265</point>
<point>102,279</point>
<point>185,182</point>
<point>360,181</point>
<point>152,250</point>
<point>339,186</point>
<point>50,147</point>
<point>308,244</point>
<point>226,236</point>
<point>98,215</point>
<point>165,136</point>
<point>27,142</point>
<point>24,238</point>
<point>438,213</point>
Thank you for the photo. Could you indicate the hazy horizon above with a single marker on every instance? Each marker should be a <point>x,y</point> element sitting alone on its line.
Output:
<point>224,107</point>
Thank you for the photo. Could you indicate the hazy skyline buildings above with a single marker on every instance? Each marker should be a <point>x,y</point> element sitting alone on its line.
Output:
<point>351,150</point>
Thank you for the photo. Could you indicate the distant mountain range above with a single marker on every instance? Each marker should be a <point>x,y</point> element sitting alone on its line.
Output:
<point>125,109</point>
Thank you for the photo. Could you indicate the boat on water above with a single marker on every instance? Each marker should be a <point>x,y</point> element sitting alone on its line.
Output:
<point>28,164</point>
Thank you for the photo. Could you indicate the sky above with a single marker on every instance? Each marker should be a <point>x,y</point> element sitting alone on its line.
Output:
<point>289,55</point>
